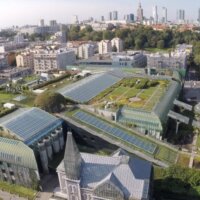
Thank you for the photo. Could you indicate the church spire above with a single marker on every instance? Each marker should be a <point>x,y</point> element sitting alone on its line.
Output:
<point>72,159</point>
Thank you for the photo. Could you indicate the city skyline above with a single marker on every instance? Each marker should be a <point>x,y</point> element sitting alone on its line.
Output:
<point>24,12</point>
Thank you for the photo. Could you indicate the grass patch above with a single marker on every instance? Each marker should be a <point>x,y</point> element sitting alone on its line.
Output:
<point>5,97</point>
<point>18,190</point>
<point>148,92</point>
<point>183,160</point>
<point>166,155</point>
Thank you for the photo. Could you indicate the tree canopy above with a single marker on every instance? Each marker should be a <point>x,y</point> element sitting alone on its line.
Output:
<point>50,102</point>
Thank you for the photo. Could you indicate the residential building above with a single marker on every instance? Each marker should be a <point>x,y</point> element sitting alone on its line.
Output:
<point>173,60</point>
<point>11,46</point>
<point>140,16</point>
<point>86,51</point>
<point>135,60</point>
<point>49,60</point>
<point>118,43</point>
<point>25,59</point>
<point>60,37</point>
<point>11,73</point>
<point>19,38</point>
<point>3,62</point>
<point>84,176</point>
<point>105,47</point>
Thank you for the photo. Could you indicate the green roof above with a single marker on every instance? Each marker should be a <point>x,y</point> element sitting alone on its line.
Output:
<point>16,152</point>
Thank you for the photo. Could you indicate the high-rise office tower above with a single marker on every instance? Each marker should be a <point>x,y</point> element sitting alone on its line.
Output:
<point>181,16</point>
<point>102,18</point>
<point>41,22</point>
<point>155,14</point>
<point>164,15</point>
<point>140,13</point>
<point>129,17</point>
<point>198,15</point>
<point>110,16</point>
<point>115,15</point>
<point>52,23</point>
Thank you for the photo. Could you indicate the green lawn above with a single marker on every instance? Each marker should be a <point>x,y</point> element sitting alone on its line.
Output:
<point>166,155</point>
<point>18,190</point>
<point>5,97</point>
<point>122,92</point>
<point>183,160</point>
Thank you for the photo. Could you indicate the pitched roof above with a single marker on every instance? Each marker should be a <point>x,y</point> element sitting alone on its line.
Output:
<point>130,174</point>
<point>72,159</point>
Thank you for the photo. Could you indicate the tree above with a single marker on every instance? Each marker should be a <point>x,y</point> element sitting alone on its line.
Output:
<point>161,44</point>
<point>50,102</point>
<point>88,28</point>
<point>138,44</point>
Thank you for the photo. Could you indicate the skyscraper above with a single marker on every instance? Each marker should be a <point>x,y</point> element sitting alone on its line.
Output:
<point>110,16</point>
<point>41,22</point>
<point>198,16</point>
<point>115,15</point>
<point>155,14</point>
<point>140,13</point>
<point>164,15</point>
<point>181,16</point>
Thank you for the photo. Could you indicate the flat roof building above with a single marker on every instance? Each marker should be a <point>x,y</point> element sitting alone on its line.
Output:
<point>49,60</point>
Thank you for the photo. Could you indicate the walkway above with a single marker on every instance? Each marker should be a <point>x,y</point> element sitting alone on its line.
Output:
<point>8,196</point>
<point>193,151</point>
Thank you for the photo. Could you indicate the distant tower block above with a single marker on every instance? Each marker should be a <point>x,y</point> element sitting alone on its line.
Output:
<point>43,156</point>
<point>41,22</point>
<point>75,19</point>
<point>55,142</point>
<point>61,138</point>
<point>49,149</point>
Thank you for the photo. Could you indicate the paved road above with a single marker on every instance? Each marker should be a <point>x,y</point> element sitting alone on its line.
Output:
<point>8,196</point>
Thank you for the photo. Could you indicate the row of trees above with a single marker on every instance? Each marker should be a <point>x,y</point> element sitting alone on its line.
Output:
<point>138,38</point>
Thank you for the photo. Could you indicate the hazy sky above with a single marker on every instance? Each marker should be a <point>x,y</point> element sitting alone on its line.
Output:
<point>21,12</point>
